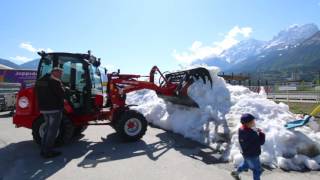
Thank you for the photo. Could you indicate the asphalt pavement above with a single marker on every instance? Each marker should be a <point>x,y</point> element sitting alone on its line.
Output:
<point>100,154</point>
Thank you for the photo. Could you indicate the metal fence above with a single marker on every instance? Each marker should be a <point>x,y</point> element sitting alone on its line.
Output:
<point>295,97</point>
<point>308,96</point>
<point>290,91</point>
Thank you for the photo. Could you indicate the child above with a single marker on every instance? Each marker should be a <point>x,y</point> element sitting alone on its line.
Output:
<point>251,139</point>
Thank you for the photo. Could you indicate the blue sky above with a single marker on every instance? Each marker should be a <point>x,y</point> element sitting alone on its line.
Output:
<point>134,35</point>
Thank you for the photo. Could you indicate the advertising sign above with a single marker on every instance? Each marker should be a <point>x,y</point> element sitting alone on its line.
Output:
<point>26,78</point>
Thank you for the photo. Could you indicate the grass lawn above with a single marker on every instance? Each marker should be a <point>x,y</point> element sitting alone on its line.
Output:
<point>302,108</point>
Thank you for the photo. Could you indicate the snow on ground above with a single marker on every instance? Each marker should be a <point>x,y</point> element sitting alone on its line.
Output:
<point>220,109</point>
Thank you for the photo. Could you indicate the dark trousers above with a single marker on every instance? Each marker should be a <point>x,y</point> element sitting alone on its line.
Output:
<point>52,125</point>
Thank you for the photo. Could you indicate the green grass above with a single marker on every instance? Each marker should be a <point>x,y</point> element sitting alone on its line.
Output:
<point>302,108</point>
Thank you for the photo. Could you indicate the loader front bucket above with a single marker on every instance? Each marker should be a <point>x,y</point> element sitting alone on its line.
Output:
<point>183,80</point>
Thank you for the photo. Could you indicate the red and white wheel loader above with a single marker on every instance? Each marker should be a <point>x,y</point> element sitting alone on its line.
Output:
<point>89,102</point>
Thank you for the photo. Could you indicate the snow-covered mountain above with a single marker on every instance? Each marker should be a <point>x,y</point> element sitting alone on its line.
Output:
<point>235,54</point>
<point>243,50</point>
<point>313,40</point>
<point>279,64</point>
<point>253,51</point>
<point>292,36</point>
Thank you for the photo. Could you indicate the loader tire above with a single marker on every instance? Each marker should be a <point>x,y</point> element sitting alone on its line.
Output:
<point>67,131</point>
<point>131,125</point>
<point>79,130</point>
<point>64,135</point>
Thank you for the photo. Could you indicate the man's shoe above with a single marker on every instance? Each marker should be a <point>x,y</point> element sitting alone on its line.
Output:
<point>235,175</point>
<point>50,154</point>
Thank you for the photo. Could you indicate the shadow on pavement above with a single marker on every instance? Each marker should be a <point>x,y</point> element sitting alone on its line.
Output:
<point>6,115</point>
<point>113,148</point>
<point>192,148</point>
<point>22,159</point>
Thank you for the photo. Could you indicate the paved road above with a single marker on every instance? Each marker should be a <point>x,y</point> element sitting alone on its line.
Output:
<point>99,154</point>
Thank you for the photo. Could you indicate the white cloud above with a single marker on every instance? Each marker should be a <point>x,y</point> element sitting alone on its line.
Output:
<point>198,51</point>
<point>28,46</point>
<point>20,59</point>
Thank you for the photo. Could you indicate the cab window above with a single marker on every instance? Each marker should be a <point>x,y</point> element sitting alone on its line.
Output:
<point>96,80</point>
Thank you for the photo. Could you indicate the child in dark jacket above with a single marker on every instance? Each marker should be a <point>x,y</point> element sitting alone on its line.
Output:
<point>251,139</point>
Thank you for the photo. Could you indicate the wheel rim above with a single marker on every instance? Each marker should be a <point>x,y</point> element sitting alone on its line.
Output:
<point>133,127</point>
<point>42,130</point>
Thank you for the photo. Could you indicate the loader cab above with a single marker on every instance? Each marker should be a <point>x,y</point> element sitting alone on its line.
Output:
<point>81,78</point>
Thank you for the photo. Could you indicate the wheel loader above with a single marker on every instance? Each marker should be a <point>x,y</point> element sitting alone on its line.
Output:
<point>95,97</point>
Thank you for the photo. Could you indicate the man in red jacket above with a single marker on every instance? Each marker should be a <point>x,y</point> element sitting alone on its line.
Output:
<point>251,139</point>
<point>50,95</point>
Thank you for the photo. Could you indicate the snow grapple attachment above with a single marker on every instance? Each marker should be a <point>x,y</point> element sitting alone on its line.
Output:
<point>182,81</point>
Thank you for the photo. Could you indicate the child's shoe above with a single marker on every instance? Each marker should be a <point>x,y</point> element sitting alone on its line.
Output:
<point>235,175</point>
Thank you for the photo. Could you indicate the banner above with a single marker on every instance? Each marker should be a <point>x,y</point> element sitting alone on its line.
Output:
<point>26,78</point>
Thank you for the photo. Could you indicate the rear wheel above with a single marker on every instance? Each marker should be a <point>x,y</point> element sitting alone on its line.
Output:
<point>64,134</point>
<point>131,125</point>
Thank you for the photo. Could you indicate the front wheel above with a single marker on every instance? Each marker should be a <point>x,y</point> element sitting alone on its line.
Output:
<point>64,134</point>
<point>79,130</point>
<point>131,125</point>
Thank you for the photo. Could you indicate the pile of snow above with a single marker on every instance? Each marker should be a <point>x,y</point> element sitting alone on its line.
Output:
<point>220,109</point>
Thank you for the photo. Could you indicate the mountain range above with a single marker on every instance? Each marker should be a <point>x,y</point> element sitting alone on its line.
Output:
<point>9,64</point>
<point>293,50</point>
<point>33,64</point>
